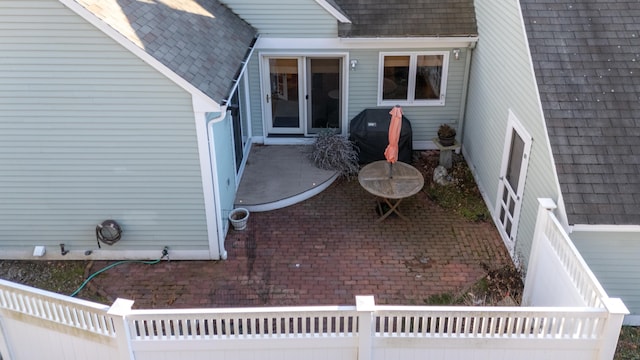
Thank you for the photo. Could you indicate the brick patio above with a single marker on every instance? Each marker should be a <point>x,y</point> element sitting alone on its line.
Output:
<point>323,251</point>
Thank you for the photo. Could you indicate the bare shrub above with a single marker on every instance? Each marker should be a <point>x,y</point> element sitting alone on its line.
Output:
<point>333,151</point>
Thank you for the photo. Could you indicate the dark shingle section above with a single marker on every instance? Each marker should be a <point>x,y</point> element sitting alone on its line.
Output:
<point>586,56</point>
<point>408,18</point>
<point>202,41</point>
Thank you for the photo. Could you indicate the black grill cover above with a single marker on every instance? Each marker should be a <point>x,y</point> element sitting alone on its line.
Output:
<point>369,131</point>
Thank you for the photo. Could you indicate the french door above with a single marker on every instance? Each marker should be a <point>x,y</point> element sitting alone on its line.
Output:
<point>302,94</point>
<point>515,160</point>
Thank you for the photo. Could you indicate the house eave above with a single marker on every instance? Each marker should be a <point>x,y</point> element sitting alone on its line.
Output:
<point>333,11</point>
<point>391,42</point>
<point>266,43</point>
<point>604,228</point>
<point>206,103</point>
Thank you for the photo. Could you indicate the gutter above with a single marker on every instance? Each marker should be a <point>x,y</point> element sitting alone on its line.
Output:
<point>604,228</point>
<point>465,90</point>
<point>241,71</point>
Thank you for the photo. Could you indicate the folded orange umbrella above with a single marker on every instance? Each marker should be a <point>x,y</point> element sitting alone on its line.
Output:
<point>391,152</point>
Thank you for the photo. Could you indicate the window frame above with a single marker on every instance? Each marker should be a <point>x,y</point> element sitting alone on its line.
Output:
<point>413,60</point>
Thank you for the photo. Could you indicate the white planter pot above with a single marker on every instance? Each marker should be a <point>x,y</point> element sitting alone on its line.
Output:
<point>238,218</point>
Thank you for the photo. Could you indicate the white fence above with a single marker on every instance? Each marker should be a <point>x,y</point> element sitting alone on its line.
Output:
<point>38,324</point>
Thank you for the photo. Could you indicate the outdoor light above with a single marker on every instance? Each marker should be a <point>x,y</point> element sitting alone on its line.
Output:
<point>353,63</point>
<point>456,54</point>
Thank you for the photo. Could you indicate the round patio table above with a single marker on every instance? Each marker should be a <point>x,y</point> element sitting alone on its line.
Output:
<point>391,184</point>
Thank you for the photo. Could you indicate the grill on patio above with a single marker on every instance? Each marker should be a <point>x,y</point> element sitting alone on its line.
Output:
<point>369,131</point>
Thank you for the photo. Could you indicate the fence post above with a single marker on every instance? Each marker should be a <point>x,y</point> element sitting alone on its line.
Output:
<point>119,311</point>
<point>365,306</point>
<point>545,206</point>
<point>611,329</point>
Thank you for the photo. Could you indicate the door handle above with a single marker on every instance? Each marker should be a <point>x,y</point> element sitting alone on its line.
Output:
<point>268,98</point>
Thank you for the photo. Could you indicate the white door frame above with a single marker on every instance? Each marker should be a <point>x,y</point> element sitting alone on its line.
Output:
<point>509,211</point>
<point>302,57</point>
<point>267,94</point>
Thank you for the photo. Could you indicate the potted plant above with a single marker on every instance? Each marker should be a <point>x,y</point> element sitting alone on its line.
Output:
<point>446,135</point>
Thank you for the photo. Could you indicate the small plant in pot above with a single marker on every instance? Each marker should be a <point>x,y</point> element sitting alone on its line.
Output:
<point>446,135</point>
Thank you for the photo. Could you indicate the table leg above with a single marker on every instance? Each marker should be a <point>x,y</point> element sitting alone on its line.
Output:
<point>393,208</point>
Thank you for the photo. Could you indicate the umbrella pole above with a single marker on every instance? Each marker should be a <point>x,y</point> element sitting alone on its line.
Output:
<point>390,170</point>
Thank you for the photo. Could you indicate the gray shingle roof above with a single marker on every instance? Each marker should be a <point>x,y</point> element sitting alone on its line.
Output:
<point>202,41</point>
<point>586,56</point>
<point>408,18</point>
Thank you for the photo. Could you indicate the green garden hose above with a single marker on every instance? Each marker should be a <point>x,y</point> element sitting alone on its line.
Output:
<point>165,253</point>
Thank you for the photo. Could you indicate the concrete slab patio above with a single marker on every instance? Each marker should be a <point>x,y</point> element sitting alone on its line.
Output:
<point>323,251</point>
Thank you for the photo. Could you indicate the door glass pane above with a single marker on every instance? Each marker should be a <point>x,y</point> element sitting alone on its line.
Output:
<point>507,228</point>
<point>428,77</point>
<point>396,74</point>
<point>512,206</point>
<point>325,93</point>
<point>515,161</point>
<point>285,103</point>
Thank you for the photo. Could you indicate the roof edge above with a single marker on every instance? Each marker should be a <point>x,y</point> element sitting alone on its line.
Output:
<point>334,10</point>
<point>605,228</point>
<point>206,102</point>
<point>364,43</point>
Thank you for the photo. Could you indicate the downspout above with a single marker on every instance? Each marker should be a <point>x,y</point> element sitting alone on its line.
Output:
<point>465,90</point>
<point>216,186</point>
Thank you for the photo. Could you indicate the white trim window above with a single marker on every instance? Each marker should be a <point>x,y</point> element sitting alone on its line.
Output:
<point>413,78</point>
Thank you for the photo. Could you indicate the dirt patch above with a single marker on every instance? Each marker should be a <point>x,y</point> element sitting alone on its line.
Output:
<point>628,344</point>
<point>499,287</point>
<point>462,196</point>
<point>62,277</point>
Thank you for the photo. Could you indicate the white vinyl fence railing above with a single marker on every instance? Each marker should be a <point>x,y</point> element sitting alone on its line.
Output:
<point>557,274</point>
<point>38,324</point>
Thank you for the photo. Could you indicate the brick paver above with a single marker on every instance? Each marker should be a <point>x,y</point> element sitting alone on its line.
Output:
<point>323,251</point>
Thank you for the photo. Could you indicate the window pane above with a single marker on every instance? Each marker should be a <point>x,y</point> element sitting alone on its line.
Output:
<point>284,93</point>
<point>428,77</point>
<point>396,75</point>
<point>515,161</point>
<point>325,93</point>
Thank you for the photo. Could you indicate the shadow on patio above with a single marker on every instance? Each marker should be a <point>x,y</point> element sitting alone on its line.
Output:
<point>324,251</point>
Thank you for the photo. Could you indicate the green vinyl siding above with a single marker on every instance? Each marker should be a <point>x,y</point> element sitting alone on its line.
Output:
<point>613,258</point>
<point>286,18</point>
<point>502,79</point>
<point>255,97</point>
<point>90,132</point>
<point>363,93</point>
